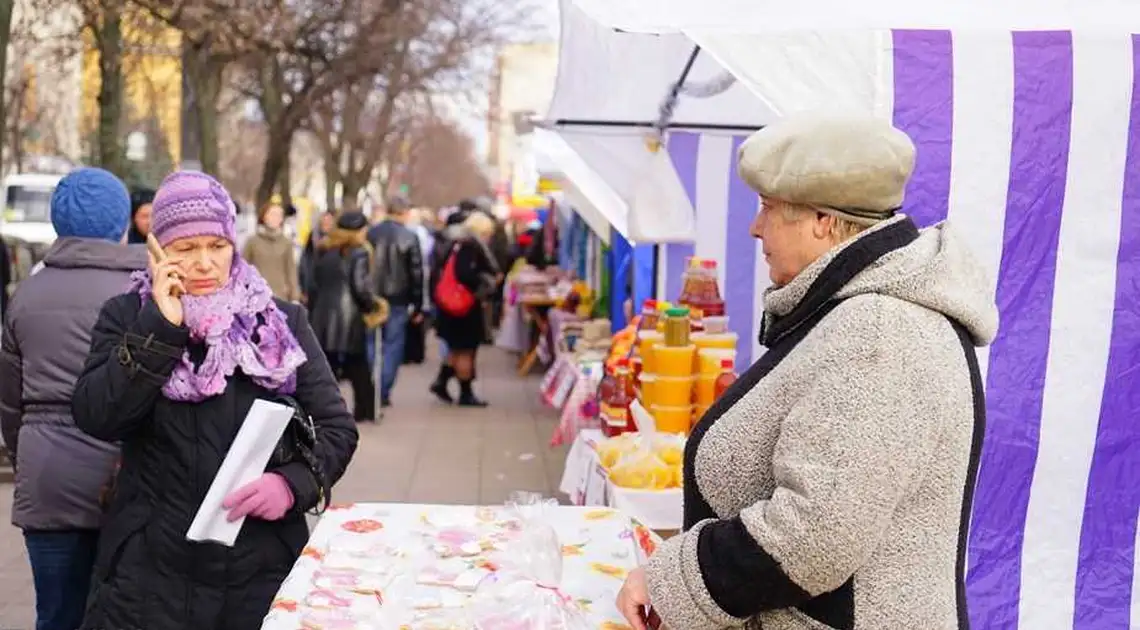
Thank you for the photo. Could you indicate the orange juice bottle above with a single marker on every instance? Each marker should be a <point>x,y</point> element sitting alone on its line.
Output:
<point>725,379</point>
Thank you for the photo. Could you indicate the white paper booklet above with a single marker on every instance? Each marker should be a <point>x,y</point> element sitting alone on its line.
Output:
<point>244,463</point>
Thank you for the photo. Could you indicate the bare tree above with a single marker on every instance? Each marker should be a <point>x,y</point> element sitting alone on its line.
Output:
<point>23,114</point>
<point>216,34</point>
<point>435,48</point>
<point>41,43</point>
<point>440,165</point>
<point>339,43</point>
<point>6,8</point>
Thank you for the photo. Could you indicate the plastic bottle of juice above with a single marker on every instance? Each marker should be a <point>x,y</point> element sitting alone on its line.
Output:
<point>725,379</point>
<point>614,404</point>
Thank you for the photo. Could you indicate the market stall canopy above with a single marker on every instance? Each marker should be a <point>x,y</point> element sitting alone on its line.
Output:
<point>671,16</point>
<point>586,191</point>
<point>834,54</point>
<point>608,98</point>
<point>1028,146</point>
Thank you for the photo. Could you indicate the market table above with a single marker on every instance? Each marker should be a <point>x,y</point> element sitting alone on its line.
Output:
<point>599,547</point>
<point>586,483</point>
<point>537,310</point>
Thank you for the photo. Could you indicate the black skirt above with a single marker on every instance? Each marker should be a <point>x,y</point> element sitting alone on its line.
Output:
<point>462,333</point>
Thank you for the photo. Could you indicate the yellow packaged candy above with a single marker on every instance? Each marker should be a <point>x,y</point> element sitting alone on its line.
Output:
<point>671,454</point>
<point>611,450</point>
<point>642,470</point>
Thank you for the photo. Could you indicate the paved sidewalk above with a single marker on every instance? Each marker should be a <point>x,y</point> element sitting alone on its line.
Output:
<point>422,451</point>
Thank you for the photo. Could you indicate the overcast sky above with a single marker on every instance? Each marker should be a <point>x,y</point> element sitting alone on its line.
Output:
<point>472,110</point>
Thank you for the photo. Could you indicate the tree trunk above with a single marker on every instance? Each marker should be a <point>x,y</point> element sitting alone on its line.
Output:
<point>332,178</point>
<point>351,191</point>
<point>203,73</point>
<point>208,87</point>
<point>276,157</point>
<point>5,36</point>
<point>285,179</point>
<point>110,46</point>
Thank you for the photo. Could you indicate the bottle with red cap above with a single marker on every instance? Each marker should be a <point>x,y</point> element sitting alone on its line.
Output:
<point>614,403</point>
<point>648,315</point>
<point>725,379</point>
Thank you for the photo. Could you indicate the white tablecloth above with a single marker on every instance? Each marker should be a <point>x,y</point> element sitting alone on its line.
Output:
<point>585,482</point>
<point>599,548</point>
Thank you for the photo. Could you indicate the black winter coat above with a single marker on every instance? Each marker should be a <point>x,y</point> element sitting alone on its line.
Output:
<point>341,293</point>
<point>475,270</point>
<point>147,575</point>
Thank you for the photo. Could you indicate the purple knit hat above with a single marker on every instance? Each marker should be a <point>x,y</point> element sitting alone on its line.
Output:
<point>189,204</point>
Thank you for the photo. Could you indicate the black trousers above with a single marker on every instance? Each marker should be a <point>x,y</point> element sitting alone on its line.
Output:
<point>354,368</point>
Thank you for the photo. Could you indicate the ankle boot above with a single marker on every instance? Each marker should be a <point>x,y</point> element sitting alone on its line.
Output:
<point>467,396</point>
<point>439,386</point>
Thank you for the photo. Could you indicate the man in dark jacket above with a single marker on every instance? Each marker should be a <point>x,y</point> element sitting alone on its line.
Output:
<point>60,471</point>
<point>398,274</point>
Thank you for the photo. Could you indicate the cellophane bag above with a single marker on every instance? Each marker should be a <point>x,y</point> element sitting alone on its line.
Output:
<point>647,460</point>
<point>525,594</point>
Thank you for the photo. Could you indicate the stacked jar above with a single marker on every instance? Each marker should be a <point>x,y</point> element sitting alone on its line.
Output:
<point>667,373</point>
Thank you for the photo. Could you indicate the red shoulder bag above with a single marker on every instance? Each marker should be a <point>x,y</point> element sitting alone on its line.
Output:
<point>451,296</point>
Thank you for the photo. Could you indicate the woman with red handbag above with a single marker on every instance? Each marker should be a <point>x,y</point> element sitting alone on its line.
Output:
<point>464,280</point>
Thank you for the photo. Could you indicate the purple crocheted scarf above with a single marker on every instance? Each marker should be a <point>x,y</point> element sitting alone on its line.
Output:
<point>241,327</point>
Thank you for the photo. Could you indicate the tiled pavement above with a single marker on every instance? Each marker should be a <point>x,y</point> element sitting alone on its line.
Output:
<point>422,451</point>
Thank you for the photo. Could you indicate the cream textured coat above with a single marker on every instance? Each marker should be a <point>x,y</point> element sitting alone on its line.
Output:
<point>831,486</point>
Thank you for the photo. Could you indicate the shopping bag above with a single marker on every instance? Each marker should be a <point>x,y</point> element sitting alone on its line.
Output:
<point>451,296</point>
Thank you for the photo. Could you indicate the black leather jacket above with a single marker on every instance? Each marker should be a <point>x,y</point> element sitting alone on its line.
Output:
<point>341,293</point>
<point>398,268</point>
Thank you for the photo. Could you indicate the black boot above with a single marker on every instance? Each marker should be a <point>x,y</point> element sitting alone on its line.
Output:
<point>439,386</point>
<point>467,397</point>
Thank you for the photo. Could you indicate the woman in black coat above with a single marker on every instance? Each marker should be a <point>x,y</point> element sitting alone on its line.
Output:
<point>174,367</point>
<point>476,270</point>
<point>340,301</point>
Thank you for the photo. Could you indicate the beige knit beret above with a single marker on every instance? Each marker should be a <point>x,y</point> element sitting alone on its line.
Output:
<point>856,166</point>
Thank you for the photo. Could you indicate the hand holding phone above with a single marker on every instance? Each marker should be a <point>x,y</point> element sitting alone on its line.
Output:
<point>166,281</point>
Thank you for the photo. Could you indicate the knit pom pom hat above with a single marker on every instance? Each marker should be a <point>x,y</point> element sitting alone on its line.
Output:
<point>189,204</point>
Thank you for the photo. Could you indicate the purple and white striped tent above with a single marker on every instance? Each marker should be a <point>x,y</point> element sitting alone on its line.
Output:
<point>1030,143</point>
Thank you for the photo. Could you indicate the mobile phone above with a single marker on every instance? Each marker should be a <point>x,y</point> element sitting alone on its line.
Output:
<point>652,620</point>
<point>154,248</point>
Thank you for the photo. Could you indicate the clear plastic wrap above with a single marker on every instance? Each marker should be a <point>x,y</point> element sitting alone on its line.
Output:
<point>648,460</point>
<point>524,593</point>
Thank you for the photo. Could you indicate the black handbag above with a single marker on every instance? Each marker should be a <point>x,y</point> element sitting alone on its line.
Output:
<point>298,444</point>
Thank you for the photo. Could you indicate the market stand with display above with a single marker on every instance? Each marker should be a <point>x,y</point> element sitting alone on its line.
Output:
<point>1027,124</point>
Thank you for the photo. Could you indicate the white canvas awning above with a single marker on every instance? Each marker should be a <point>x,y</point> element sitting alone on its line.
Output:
<point>598,205</point>
<point>608,96</point>
<point>672,16</point>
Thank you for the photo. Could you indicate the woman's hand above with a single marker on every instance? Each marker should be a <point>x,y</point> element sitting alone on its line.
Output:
<point>268,498</point>
<point>633,598</point>
<point>167,288</point>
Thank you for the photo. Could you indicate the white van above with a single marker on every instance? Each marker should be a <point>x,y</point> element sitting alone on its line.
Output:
<point>26,221</point>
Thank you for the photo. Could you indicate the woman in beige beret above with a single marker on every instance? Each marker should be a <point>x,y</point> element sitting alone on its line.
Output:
<point>830,487</point>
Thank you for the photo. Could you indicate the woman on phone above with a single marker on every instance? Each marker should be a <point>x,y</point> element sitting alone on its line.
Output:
<point>175,365</point>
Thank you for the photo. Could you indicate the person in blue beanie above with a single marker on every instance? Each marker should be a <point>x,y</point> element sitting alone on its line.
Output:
<point>62,475</point>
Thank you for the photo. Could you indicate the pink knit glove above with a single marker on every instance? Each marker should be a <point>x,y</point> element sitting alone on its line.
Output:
<point>268,498</point>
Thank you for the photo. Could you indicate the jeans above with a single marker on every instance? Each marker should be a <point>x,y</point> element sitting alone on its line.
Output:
<point>395,333</point>
<point>61,572</point>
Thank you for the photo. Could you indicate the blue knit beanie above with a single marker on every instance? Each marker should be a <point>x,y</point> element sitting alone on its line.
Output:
<point>91,203</point>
